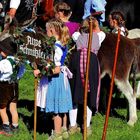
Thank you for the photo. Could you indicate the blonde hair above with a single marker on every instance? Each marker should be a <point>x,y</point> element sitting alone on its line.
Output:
<point>85,25</point>
<point>64,8</point>
<point>61,30</point>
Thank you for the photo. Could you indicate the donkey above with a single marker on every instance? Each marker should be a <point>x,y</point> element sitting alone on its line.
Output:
<point>128,63</point>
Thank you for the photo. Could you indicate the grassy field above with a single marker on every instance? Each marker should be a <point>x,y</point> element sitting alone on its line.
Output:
<point>117,126</point>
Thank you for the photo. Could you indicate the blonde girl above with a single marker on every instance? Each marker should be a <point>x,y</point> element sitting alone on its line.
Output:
<point>58,99</point>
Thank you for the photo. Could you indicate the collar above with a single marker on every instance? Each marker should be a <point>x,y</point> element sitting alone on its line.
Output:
<point>12,57</point>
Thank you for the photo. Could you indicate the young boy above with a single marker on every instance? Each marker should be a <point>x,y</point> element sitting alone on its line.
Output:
<point>8,89</point>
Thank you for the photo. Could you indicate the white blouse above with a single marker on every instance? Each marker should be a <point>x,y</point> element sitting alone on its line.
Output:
<point>101,36</point>
<point>58,54</point>
<point>14,4</point>
<point>122,31</point>
<point>6,70</point>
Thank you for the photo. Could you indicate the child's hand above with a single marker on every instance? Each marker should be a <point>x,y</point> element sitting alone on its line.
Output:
<point>36,72</point>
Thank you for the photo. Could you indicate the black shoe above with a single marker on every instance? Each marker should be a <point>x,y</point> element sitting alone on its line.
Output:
<point>14,129</point>
<point>5,130</point>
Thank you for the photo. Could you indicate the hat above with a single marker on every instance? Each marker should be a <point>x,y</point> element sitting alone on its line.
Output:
<point>1,6</point>
<point>8,46</point>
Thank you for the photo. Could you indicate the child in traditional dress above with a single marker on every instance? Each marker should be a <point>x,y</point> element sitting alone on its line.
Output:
<point>63,12</point>
<point>117,21</point>
<point>78,68</point>
<point>58,98</point>
<point>8,89</point>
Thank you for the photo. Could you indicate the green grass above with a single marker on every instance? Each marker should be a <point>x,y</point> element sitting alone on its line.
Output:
<point>117,127</point>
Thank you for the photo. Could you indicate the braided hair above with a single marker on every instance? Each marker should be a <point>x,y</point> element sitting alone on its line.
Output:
<point>119,17</point>
<point>61,29</point>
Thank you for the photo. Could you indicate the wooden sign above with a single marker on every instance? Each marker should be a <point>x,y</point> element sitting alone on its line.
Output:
<point>33,46</point>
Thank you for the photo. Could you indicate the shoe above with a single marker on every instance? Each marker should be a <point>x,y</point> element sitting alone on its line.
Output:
<point>55,136</point>
<point>89,131</point>
<point>65,134</point>
<point>74,129</point>
<point>14,129</point>
<point>6,130</point>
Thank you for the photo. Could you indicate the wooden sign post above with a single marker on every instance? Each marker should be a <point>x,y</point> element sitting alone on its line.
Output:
<point>111,87</point>
<point>86,80</point>
<point>32,49</point>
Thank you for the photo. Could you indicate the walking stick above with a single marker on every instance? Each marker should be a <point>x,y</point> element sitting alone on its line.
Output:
<point>35,84</point>
<point>35,106</point>
<point>86,80</point>
<point>35,103</point>
<point>49,3</point>
<point>111,86</point>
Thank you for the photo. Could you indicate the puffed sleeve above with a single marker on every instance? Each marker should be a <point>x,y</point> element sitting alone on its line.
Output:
<point>57,56</point>
<point>5,66</point>
<point>14,4</point>
<point>75,36</point>
<point>101,36</point>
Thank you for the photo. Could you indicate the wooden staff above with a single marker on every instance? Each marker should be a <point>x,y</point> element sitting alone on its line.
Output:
<point>35,101</point>
<point>35,84</point>
<point>111,86</point>
<point>86,80</point>
<point>35,106</point>
<point>49,3</point>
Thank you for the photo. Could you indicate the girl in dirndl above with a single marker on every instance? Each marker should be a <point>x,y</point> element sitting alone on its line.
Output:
<point>78,68</point>
<point>117,21</point>
<point>58,95</point>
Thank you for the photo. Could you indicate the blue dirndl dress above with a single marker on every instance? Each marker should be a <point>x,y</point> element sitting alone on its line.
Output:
<point>58,99</point>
